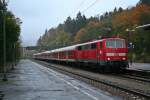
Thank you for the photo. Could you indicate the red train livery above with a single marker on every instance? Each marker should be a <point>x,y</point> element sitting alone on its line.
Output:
<point>107,54</point>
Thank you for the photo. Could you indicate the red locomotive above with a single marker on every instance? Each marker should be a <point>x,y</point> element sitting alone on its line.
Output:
<point>106,54</point>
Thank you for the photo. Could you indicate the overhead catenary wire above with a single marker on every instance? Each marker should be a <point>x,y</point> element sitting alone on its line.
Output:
<point>78,7</point>
<point>90,6</point>
<point>81,3</point>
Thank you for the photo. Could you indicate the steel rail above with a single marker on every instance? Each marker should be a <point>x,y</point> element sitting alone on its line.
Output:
<point>138,78</point>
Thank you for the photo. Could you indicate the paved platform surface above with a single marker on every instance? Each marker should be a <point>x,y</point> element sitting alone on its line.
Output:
<point>31,81</point>
<point>140,66</point>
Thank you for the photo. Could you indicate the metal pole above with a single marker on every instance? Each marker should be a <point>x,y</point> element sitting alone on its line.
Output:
<point>4,45</point>
<point>14,57</point>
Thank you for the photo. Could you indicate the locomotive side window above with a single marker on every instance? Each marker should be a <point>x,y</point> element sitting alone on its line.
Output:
<point>93,46</point>
<point>86,47</point>
<point>79,48</point>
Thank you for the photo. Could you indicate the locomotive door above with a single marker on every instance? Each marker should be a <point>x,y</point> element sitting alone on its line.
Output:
<point>99,52</point>
<point>78,53</point>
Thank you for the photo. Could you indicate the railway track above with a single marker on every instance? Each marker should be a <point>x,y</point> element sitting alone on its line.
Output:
<point>137,78</point>
<point>114,88</point>
<point>138,73</point>
<point>140,78</point>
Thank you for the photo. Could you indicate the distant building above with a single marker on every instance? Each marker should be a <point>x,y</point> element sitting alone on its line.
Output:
<point>27,52</point>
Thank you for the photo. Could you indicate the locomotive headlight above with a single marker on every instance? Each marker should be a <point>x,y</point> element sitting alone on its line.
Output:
<point>124,58</point>
<point>108,58</point>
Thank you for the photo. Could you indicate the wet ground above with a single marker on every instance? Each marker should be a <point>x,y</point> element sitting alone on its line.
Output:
<point>31,81</point>
<point>140,66</point>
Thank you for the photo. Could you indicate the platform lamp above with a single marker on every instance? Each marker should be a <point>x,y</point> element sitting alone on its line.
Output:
<point>4,4</point>
<point>130,44</point>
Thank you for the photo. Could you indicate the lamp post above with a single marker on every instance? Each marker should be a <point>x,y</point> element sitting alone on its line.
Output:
<point>14,56</point>
<point>129,33</point>
<point>130,44</point>
<point>4,42</point>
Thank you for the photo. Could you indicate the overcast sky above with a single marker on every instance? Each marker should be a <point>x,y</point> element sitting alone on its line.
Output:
<point>38,15</point>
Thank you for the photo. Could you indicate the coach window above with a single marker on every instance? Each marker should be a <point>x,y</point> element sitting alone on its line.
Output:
<point>66,53</point>
<point>63,54</point>
<point>70,53</point>
<point>93,46</point>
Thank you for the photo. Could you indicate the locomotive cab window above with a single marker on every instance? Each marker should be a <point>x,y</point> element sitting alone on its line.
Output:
<point>115,43</point>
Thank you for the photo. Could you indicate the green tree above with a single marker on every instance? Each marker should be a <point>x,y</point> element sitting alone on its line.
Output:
<point>12,27</point>
<point>146,2</point>
<point>115,10</point>
<point>72,26</point>
<point>120,9</point>
<point>63,39</point>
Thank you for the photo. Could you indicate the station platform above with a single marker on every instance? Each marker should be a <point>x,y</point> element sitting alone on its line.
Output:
<point>31,81</point>
<point>140,66</point>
